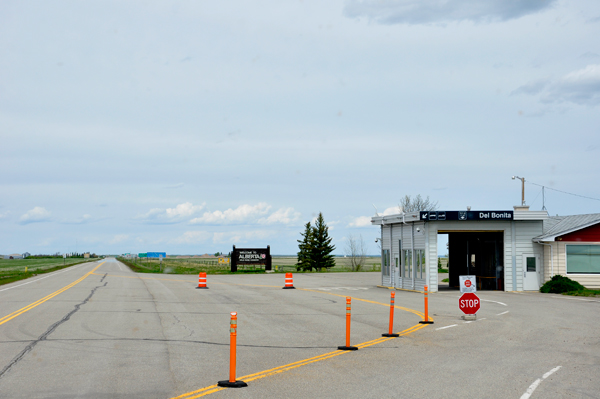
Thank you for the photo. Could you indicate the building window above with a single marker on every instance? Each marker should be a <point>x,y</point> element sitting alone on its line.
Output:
<point>583,259</point>
<point>420,267</point>
<point>408,265</point>
<point>386,262</point>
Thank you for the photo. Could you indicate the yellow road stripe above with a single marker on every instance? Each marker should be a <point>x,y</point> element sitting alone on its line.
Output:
<point>420,314</point>
<point>368,301</point>
<point>46,298</point>
<point>267,373</point>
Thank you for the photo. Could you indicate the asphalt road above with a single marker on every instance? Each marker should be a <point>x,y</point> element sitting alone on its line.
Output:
<point>101,331</point>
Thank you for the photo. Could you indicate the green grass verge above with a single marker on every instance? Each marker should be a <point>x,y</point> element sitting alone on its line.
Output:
<point>211,266</point>
<point>12,270</point>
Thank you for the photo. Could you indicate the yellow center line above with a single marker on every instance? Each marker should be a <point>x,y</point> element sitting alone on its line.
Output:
<point>267,373</point>
<point>46,298</point>
<point>420,314</point>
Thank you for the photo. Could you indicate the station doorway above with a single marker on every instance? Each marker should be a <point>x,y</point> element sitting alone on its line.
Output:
<point>478,253</point>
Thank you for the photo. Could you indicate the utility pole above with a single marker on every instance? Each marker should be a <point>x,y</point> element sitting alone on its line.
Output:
<point>522,188</point>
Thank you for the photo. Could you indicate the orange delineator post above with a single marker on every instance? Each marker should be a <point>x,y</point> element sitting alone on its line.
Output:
<point>289,282</point>
<point>202,281</point>
<point>232,383</point>
<point>348,316</point>
<point>426,321</point>
<point>232,346</point>
<point>390,333</point>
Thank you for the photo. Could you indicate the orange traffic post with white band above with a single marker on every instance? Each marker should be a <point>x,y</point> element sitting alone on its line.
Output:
<point>390,333</point>
<point>202,281</point>
<point>289,282</point>
<point>232,383</point>
<point>348,316</point>
<point>426,321</point>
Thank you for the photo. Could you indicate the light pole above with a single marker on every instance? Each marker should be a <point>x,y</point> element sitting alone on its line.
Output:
<point>522,188</point>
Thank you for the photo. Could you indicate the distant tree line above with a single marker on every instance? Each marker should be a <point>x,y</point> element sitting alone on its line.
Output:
<point>71,255</point>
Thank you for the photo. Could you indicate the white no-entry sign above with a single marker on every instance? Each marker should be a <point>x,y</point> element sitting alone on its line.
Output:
<point>467,284</point>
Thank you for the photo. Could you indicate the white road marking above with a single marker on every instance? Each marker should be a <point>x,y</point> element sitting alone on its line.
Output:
<point>41,278</point>
<point>441,328</point>
<point>487,300</point>
<point>537,382</point>
<point>500,314</point>
<point>549,373</point>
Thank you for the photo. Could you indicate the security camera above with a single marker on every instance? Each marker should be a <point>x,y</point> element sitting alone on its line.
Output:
<point>377,240</point>
<point>513,178</point>
<point>418,229</point>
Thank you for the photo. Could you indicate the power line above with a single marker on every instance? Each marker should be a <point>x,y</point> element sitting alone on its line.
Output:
<point>564,192</point>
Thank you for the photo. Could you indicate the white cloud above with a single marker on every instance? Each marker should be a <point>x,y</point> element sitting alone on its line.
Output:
<point>4,215</point>
<point>35,215</point>
<point>579,87</point>
<point>283,215</point>
<point>228,237</point>
<point>171,215</point>
<point>185,210</point>
<point>361,221</point>
<point>241,214</point>
<point>394,210</point>
<point>440,11</point>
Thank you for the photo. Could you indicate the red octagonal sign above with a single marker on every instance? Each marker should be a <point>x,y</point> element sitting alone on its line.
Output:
<point>469,303</point>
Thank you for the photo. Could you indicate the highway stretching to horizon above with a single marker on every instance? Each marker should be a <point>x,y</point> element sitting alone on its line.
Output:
<point>99,330</point>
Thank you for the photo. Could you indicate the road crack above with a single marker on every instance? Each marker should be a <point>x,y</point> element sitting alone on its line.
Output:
<point>49,331</point>
<point>179,323</point>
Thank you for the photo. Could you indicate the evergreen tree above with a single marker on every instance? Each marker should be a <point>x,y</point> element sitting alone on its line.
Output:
<point>305,247</point>
<point>321,247</point>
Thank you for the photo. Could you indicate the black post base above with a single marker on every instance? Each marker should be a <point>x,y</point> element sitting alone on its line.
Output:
<point>236,384</point>
<point>289,288</point>
<point>426,322</point>
<point>347,348</point>
<point>390,335</point>
<point>201,288</point>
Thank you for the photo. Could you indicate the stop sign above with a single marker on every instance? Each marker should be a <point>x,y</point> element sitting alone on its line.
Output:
<point>469,303</point>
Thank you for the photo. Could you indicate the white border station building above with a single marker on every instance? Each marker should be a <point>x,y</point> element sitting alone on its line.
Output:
<point>507,250</point>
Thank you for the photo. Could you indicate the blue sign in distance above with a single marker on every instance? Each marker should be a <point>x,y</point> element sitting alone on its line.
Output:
<point>156,254</point>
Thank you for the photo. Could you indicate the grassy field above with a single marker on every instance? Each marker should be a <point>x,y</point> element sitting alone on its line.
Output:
<point>281,264</point>
<point>14,269</point>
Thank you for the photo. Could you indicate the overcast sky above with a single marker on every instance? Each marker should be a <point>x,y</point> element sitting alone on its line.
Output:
<point>192,126</point>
